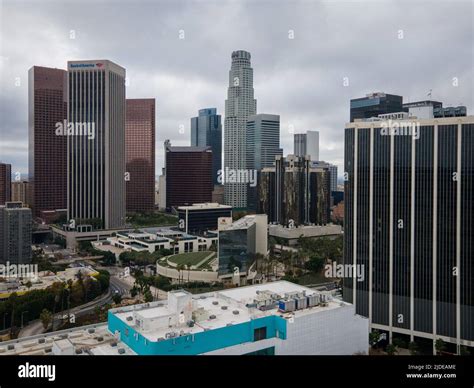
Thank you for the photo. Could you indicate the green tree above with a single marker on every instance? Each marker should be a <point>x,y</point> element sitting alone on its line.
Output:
<point>148,297</point>
<point>46,318</point>
<point>391,349</point>
<point>117,298</point>
<point>315,263</point>
<point>374,338</point>
<point>440,345</point>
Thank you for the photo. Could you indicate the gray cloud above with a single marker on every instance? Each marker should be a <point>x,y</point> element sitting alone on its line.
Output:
<point>300,79</point>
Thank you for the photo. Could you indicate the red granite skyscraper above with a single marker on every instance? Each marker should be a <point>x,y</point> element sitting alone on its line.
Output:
<point>47,163</point>
<point>5,183</point>
<point>140,154</point>
<point>188,173</point>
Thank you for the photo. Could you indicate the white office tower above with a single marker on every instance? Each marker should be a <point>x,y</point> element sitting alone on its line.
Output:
<point>307,144</point>
<point>96,144</point>
<point>240,104</point>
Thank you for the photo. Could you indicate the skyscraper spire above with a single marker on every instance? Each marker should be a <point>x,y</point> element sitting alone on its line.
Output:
<point>240,104</point>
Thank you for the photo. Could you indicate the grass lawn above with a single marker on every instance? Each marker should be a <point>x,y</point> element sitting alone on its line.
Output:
<point>151,219</point>
<point>191,258</point>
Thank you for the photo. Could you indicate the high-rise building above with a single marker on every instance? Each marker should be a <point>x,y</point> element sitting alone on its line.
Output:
<point>140,154</point>
<point>409,227</point>
<point>293,193</point>
<point>188,172</point>
<point>263,145</point>
<point>206,130</point>
<point>20,192</point>
<point>201,217</point>
<point>239,241</point>
<point>240,104</point>
<point>5,183</point>
<point>332,168</point>
<point>307,144</point>
<point>96,150</point>
<point>374,104</point>
<point>15,233</point>
<point>47,147</point>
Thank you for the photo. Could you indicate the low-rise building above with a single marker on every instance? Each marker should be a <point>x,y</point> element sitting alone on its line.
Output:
<point>278,318</point>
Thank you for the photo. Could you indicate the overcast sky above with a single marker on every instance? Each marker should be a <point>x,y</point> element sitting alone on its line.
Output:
<point>399,47</point>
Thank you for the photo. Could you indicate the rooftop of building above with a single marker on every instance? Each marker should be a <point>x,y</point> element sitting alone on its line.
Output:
<point>188,149</point>
<point>222,308</point>
<point>375,122</point>
<point>91,339</point>
<point>244,222</point>
<point>205,206</point>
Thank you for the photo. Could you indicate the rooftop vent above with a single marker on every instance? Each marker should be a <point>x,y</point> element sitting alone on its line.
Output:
<point>130,318</point>
<point>90,331</point>
<point>212,316</point>
<point>113,344</point>
<point>235,312</point>
<point>121,351</point>
<point>100,339</point>
<point>224,307</point>
<point>78,351</point>
<point>41,340</point>
<point>215,303</point>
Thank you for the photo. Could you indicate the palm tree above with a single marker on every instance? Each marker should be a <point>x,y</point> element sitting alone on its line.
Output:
<point>188,267</point>
<point>180,268</point>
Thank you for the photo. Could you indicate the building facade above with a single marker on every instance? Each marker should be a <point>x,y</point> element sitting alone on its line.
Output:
<point>188,172</point>
<point>20,192</point>
<point>409,227</point>
<point>293,193</point>
<point>15,233</point>
<point>277,318</point>
<point>374,104</point>
<point>263,145</point>
<point>5,183</point>
<point>140,154</point>
<point>201,217</point>
<point>47,147</point>
<point>239,241</point>
<point>240,104</point>
<point>307,144</point>
<point>96,151</point>
<point>206,130</point>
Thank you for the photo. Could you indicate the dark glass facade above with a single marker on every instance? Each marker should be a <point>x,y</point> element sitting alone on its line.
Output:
<point>5,183</point>
<point>201,220</point>
<point>206,130</point>
<point>188,175</point>
<point>293,193</point>
<point>374,105</point>
<point>140,153</point>
<point>409,215</point>
<point>234,250</point>
<point>47,161</point>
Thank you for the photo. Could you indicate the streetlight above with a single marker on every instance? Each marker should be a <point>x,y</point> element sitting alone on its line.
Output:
<point>22,318</point>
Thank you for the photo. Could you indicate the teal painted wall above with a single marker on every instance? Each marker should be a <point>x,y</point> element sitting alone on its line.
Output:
<point>198,343</point>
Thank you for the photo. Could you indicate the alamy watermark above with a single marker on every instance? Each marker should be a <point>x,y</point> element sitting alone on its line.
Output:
<point>230,175</point>
<point>345,271</point>
<point>400,128</point>
<point>65,128</point>
<point>11,270</point>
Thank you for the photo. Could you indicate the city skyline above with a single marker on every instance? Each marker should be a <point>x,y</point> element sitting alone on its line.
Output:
<point>181,89</point>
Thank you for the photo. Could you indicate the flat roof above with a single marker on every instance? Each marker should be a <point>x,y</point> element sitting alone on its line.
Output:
<point>205,206</point>
<point>210,307</point>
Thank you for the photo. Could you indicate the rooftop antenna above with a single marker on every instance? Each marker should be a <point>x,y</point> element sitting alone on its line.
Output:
<point>429,94</point>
